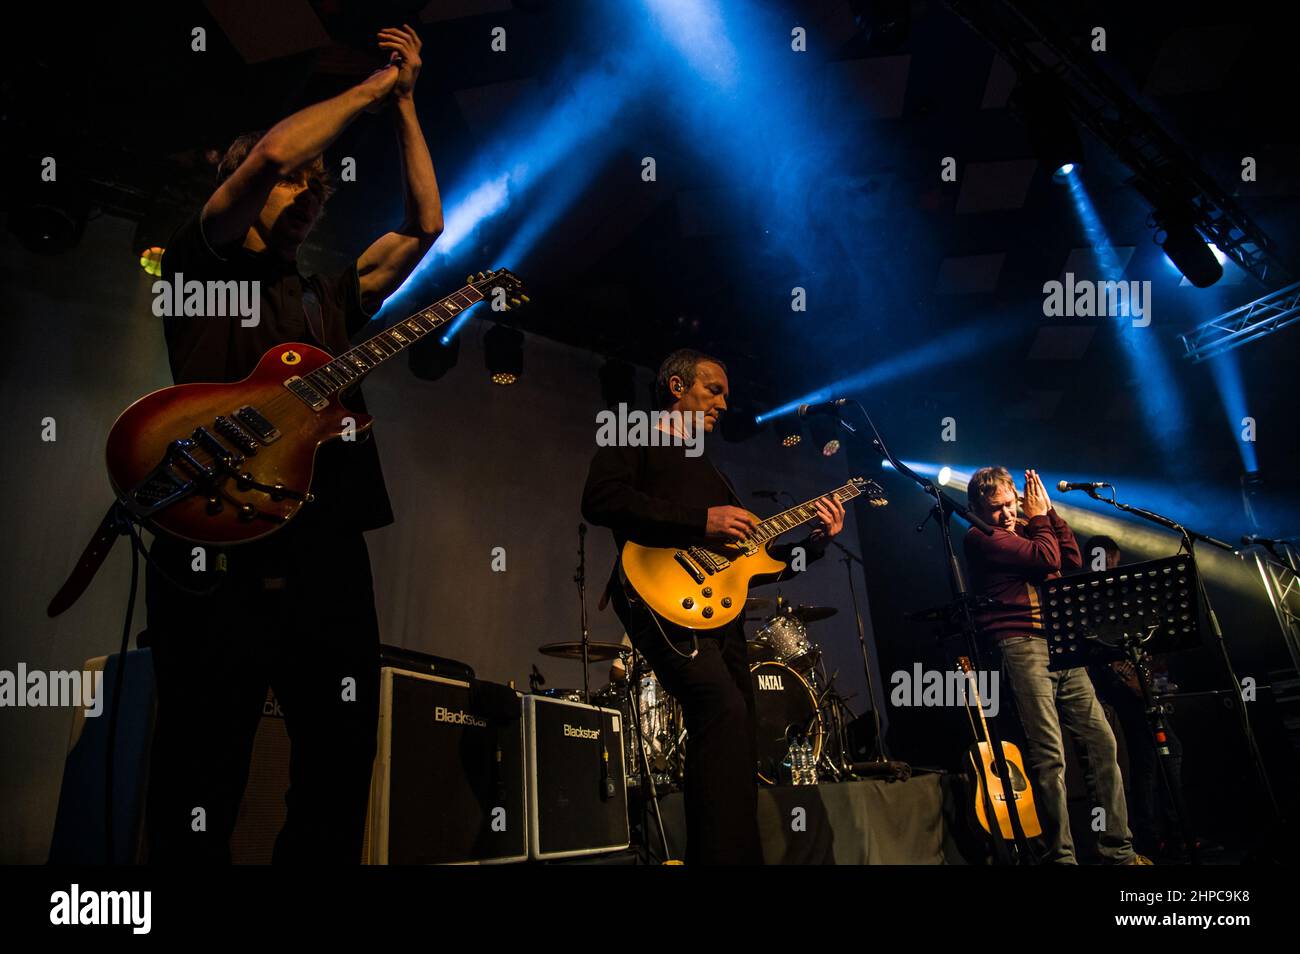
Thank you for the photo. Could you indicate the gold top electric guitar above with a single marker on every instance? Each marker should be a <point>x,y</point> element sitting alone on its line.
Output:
<point>704,586</point>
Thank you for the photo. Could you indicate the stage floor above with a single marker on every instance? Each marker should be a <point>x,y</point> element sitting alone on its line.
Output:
<point>868,822</point>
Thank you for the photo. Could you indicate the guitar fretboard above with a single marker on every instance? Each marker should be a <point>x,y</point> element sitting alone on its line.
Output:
<point>354,364</point>
<point>797,516</point>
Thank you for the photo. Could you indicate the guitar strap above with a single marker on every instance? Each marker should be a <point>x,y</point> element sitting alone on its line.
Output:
<point>114,524</point>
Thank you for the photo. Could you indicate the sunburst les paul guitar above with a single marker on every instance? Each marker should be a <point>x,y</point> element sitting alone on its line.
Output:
<point>704,586</point>
<point>224,464</point>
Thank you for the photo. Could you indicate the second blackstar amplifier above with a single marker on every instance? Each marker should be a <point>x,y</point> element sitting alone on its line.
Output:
<point>448,785</point>
<point>576,789</point>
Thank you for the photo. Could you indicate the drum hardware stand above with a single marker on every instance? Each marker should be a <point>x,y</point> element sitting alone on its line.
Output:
<point>607,789</point>
<point>944,507</point>
<point>580,578</point>
<point>632,667</point>
<point>1189,538</point>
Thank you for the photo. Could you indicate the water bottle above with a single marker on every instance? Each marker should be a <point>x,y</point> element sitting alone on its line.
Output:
<point>810,767</point>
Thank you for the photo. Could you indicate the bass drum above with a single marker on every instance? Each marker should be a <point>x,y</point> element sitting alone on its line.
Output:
<point>785,709</point>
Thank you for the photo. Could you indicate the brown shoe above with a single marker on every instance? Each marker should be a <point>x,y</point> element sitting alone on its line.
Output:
<point>1138,860</point>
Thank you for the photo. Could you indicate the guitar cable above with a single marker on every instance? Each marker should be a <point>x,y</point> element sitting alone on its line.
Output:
<point>695,640</point>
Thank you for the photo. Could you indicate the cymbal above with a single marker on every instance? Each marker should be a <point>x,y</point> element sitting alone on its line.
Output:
<point>811,614</point>
<point>596,652</point>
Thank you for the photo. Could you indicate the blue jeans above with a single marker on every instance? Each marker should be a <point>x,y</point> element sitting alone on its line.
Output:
<point>1039,696</point>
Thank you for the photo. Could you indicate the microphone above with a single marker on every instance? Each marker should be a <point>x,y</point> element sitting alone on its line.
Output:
<point>1253,538</point>
<point>825,407</point>
<point>1065,485</point>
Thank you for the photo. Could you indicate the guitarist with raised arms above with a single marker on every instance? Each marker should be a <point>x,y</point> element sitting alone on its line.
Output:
<point>295,610</point>
<point>662,496</point>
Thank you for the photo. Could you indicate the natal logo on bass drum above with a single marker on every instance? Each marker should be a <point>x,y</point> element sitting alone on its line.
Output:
<point>771,682</point>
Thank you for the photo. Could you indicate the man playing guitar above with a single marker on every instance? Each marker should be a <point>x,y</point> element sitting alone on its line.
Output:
<point>661,495</point>
<point>295,610</point>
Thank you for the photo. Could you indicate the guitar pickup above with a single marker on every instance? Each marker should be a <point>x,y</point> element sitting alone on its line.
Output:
<point>208,441</point>
<point>688,566</point>
<point>262,429</point>
<point>711,563</point>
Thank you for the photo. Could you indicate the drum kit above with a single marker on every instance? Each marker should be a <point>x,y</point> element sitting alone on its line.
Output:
<point>794,700</point>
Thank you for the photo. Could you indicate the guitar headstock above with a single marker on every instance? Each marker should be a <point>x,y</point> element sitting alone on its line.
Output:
<point>872,491</point>
<point>487,283</point>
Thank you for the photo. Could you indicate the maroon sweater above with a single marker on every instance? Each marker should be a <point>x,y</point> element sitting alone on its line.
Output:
<point>1008,566</point>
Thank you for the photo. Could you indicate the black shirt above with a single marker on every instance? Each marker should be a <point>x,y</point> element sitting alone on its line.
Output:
<point>348,482</point>
<point>657,496</point>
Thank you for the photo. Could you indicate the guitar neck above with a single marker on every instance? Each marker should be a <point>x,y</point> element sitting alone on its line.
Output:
<point>797,516</point>
<point>354,364</point>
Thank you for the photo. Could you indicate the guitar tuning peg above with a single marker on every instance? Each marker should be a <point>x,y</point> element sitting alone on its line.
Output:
<point>524,298</point>
<point>515,302</point>
<point>481,276</point>
<point>469,279</point>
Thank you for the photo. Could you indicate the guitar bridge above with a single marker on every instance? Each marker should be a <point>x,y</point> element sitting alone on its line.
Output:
<point>711,562</point>
<point>688,566</point>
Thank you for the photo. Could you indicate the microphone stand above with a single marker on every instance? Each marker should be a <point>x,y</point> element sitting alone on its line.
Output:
<point>580,578</point>
<point>881,766</point>
<point>963,603</point>
<point>1189,539</point>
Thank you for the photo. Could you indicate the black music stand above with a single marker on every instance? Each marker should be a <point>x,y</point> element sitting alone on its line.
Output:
<point>1108,615</point>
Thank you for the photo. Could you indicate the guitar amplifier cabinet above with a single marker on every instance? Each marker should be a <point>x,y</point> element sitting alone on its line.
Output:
<point>448,784</point>
<point>79,835</point>
<point>574,750</point>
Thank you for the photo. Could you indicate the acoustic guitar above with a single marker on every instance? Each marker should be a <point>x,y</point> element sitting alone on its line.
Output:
<point>704,586</point>
<point>223,464</point>
<point>981,763</point>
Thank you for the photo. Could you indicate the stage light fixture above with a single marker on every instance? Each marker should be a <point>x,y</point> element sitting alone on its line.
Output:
<point>151,260</point>
<point>430,358</point>
<point>503,354</point>
<point>1185,246</point>
<point>824,432</point>
<point>790,432</point>
<point>1041,104</point>
<point>48,226</point>
<point>945,475</point>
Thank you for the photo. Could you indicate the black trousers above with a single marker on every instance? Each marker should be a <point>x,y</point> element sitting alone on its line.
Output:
<point>295,612</point>
<point>716,694</point>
